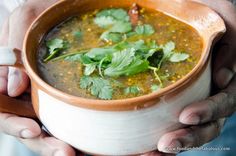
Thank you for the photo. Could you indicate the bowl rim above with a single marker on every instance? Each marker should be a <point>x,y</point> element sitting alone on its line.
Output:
<point>139,102</point>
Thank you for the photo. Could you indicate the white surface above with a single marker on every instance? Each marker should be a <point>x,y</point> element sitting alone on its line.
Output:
<point>118,133</point>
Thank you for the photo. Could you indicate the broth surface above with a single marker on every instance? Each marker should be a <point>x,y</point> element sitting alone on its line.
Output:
<point>65,75</point>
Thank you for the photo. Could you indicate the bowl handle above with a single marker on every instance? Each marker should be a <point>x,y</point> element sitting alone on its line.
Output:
<point>12,57</point>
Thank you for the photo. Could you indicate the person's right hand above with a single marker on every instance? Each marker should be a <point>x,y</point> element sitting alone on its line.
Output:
<point>14,82</point>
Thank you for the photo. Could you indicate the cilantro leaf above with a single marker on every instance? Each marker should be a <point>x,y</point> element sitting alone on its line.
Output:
<point>97,86</point>
<point>138,45</point>
<point>54,46</point>
<point>145,29</point>
<point>120,60</point>
<point>132,90</point>
<point>89,69</point>
<point>104,21</point>
<point>178,57</point>
<point>137,66</point>
<point>85,82</point>
<point>121,27</point>
<point>116,32</point>
<point>117,14</point>
<point>130,34</point>
<point>99,53</point>
<point>125,63</point>
<point>73,58</point>
<point>168,49</point>
<point>110,36</point>
<point>85,59</point>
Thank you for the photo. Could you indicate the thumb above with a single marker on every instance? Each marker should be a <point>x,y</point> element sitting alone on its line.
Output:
<point>18,82</point>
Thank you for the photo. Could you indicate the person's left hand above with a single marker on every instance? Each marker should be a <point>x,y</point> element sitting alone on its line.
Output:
<point>14,82</point>
<point>206,118</point>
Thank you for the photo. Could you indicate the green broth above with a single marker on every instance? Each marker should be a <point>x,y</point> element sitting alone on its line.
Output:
<point>65,75</point>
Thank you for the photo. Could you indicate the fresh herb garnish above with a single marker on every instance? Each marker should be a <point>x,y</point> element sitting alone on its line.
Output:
<point>115,14</point>
<point>125,63</point>
<point>90,68</point>
<point>54,46</point>
<point>116,22</point>
<point>98,87</point>
<point>104,21</point>
<point>111,36</point>
<point>121,27</point>
<point>145,29</point>
<point>178,57</point>
<point>123,57</point>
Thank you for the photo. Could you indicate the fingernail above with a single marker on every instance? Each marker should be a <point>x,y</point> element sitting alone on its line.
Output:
<point>13,81</point>
<point>174,147</point>
<point>191,119</point>
<point>59,153</point>
<point>27,134</point>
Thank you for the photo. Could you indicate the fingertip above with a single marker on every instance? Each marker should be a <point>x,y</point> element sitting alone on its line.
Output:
<point>33,127</point>
<point>28,128</point>
<point>169,144</point>
<point>18,82</point>
<point>189,118</point>
<point>18,126</point>
<point>61,148</point>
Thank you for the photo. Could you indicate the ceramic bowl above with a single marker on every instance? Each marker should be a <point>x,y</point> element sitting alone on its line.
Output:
<point>115,127</point>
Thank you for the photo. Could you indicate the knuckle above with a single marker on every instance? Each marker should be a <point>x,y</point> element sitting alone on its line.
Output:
<point>230,100</point>
<point>221,105</point>
<point>193,139</point>
<point>213,107</point>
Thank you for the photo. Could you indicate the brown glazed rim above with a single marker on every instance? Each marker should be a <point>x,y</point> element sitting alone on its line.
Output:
<point>122,104</point>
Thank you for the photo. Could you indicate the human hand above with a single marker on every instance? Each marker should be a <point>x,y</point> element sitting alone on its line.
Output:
<point>206,118</point>
<point>14,82</point>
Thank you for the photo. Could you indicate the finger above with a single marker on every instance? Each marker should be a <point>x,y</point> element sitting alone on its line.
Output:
<point>48,146</point>
<point>3,80</point>
<point>16,37</point>
<point>221,105</point>
<point>18,82</point>
<point>223,70</point>
<point>195,136</point>
<point>19,127</point>
<point>4,34</point>
<point>157,153</point>
<point>28,12</point>
<point>223,77</point>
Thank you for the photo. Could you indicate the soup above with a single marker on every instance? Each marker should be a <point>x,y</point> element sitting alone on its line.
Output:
<point>118,53</point>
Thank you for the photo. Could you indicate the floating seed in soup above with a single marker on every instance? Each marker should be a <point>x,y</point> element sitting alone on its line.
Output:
<point>118,53</point>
